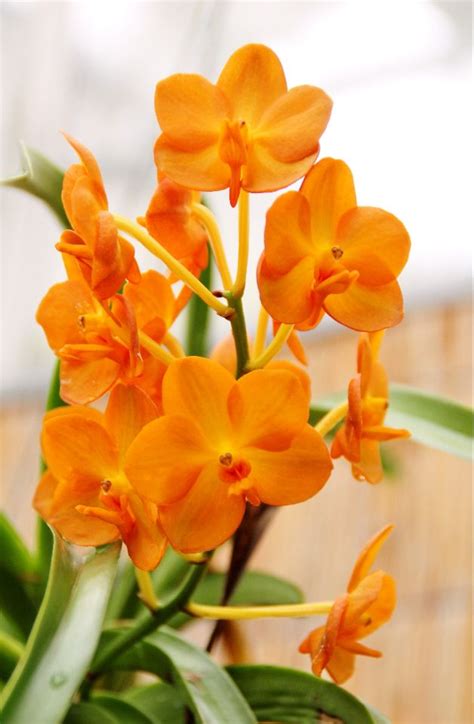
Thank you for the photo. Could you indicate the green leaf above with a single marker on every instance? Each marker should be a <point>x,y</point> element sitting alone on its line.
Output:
<point>10,652</point>
<point>105,710</point>
<point>433,421</point>
<point>278,694</point>
<point>42,179</point>
<point>20,587</point>
<point>161,703</point>
<point>254,588</point>
<point>205,687</point>
<point>197,327</point>
<point>64,637</point>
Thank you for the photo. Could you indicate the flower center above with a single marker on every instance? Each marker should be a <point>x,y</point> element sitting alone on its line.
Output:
<point>235,471</point>
<point>233,151</point>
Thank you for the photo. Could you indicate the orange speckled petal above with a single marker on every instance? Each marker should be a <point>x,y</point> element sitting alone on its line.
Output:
<point>252,79</point>
<point>329,188</point>
<point>367,309</point>
<point>375,243</point>
<point>207,515</point>
<point>268,408</point>
<point>190,111</point>
<point>165,458</point>
<point>292,475</point>
<point>287,297</point>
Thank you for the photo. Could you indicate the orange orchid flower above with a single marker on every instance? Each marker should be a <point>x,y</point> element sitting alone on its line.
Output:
<point>105,259</point>
<point>323,253</point>
<point>223,442</point>
<point>170,220</point>
<point>368,604</point>
<point>85,494</point>
<point>247,131</point>
<point>358,440</point>
<point>99,346</point>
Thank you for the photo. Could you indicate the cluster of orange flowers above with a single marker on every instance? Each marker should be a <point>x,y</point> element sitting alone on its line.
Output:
<point>183,446</point>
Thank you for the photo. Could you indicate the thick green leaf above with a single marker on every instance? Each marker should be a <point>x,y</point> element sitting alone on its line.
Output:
<point>42,179</point>
<point>433,421</point>
<point>161,703</point>
<point>20,581</point>
<point>105,710</point>
<point>254,588</point>
<point>283,695</point>
<point>205,687</point>
<point>10,651</point>
<point>16,558</point>
<point>64,637</point>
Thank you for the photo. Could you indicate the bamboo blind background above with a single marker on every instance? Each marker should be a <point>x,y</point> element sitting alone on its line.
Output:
<point>425,675</point>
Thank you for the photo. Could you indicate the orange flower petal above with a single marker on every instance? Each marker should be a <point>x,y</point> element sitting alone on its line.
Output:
<point>145,542</point>
<point>375,243</point>
<point>128,410</point>
<point>367,309</point>
<point>288,298</point>
<point>371,604</point>
<point>60,310</point>
<point>268,408</point>
<point>369,468</point>
<point>169,219</point>
<point>202,169</point>
<point>329,188</point>
<point>292,475</point>
<point>198,388</point>
<point>287,233</point>
<point>368,555</point>
<point>341,665</point>
<point>206,517</point>
<point>291,127</point>
<point>252,79</point>
<point>151,298</point>
<point>76,446</point>
<point>264,172</point>
<point>301,375</point>
<point>190,111</point>
<point>165,458</point>
<point>90,164</point>
<point>57,508</point>
<point>83,382</point>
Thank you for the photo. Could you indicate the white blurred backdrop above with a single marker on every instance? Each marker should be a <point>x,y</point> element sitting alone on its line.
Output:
<point>398,72</point>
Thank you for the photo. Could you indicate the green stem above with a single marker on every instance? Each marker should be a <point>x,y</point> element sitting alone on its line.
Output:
<point>198,318</point>
<point>239,331</point>
<point>145,626</point>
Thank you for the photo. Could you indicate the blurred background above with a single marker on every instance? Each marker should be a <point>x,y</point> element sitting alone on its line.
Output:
<point>399,75</point>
